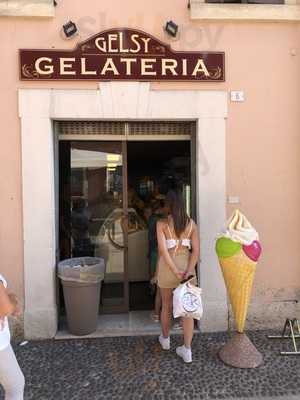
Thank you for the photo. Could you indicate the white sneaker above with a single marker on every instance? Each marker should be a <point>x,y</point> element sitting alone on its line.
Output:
<point>184,353</point>
<point>164,342</point>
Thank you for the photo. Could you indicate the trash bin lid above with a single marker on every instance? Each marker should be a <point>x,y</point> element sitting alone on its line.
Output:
<point>82,269</point>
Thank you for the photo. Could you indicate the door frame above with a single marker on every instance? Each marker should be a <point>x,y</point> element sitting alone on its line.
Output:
<point>38,108</point>
<point>125,210</point>
<point>125,307</point>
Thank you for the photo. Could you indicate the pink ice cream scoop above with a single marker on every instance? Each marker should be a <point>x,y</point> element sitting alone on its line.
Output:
<point>253,250</point>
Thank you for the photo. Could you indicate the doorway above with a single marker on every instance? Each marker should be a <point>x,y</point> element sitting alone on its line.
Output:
<point>107,190</point>
<point>41,114</point>
<point>154,168</point>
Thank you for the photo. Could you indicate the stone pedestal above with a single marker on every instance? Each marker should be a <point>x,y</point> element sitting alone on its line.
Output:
<point>240,352</point>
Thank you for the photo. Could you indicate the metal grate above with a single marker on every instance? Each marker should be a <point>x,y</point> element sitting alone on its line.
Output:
<point>159,128</point>
<point>125,128</point>
<point>91,128</point>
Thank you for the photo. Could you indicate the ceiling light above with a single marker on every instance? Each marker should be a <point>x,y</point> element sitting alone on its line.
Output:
<point>112,157</point>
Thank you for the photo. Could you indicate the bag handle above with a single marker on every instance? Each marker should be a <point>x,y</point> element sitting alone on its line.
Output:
<point>188,279</point>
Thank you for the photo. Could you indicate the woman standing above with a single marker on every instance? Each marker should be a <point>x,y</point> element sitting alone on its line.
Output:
<point>11,377</point>
<point>158,212</point>
<point>178,245</point>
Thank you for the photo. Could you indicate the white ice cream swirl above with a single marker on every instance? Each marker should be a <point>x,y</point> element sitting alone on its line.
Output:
<point>239,229</point>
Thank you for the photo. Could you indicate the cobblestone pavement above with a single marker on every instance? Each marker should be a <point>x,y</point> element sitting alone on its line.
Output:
<point>136,368</point>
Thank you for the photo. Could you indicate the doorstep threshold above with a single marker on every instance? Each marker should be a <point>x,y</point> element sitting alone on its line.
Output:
<point>64,334</point>
<point>134,323</point>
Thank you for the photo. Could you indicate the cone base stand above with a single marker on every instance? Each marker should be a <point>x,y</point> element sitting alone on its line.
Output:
<point>240,352</point>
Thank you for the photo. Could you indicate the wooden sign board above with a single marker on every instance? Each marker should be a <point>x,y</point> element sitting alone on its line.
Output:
<point>122,54</point>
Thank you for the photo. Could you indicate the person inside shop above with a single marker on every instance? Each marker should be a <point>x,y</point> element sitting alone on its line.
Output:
<point>147,213</point>
<point>135,202</point>
<point>158,212</point>
<point>11,376</point>
<point>178,249</point>
<point>82,245</point>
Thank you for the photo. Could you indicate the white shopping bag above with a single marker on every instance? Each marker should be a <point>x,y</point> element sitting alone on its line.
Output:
<point>187,301</point>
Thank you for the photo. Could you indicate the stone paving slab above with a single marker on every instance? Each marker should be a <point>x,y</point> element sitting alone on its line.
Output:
<point>136,368</point>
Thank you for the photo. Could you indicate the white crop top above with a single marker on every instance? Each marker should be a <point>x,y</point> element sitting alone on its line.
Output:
<point>185,242</point>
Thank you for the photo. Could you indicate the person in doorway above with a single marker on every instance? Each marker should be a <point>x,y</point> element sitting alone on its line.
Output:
<point>82,245</point>
<point>158,212</point>
<point>135,202</point>
<point>11,376</point>
<point>147,213</point>
<point>178,245</point>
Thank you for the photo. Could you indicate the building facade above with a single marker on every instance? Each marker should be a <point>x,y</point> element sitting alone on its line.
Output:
<point>245,150</point>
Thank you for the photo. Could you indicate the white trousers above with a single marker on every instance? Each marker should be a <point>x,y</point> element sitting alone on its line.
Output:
<point>11,376</point>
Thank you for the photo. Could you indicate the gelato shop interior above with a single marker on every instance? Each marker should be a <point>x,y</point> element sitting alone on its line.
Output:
<point>113,179</point>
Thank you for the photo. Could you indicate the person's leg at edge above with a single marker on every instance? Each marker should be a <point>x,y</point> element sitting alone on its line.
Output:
<point>157,308</point>
<point>188,331</point>
<point>11,376</point>
<point>166,311</point>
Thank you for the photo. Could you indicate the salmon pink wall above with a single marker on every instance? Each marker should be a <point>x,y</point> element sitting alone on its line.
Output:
<point>263,141</point>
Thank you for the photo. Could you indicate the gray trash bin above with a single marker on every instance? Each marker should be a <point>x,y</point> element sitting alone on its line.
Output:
<point>81,280</point>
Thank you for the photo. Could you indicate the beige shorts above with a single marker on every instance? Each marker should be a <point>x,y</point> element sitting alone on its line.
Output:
<point>166,278</point>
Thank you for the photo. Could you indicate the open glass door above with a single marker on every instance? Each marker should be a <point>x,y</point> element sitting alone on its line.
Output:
<point>94,217</point>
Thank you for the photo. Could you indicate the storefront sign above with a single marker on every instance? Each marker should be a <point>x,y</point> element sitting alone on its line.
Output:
<point>122,54</point>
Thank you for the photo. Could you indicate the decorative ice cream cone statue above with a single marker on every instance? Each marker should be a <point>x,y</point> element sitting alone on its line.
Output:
<point>238,250</point>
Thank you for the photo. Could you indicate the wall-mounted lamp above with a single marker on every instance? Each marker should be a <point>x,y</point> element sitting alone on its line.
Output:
<point>171,28</point>
<point>70,29</point>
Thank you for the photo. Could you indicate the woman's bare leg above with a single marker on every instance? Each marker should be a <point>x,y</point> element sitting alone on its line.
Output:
<point>157,308</point>
<point>188,331</point>
<point>11,376</point>
<point>166,311</point>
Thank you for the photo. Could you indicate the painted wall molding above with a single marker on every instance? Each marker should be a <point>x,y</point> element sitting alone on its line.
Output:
<point>26,8</point>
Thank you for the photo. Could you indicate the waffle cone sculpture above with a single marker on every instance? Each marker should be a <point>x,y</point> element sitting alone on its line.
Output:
<point>238,250</point>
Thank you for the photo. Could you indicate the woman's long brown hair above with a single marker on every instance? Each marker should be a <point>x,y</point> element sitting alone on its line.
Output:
<point>174,201</point>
